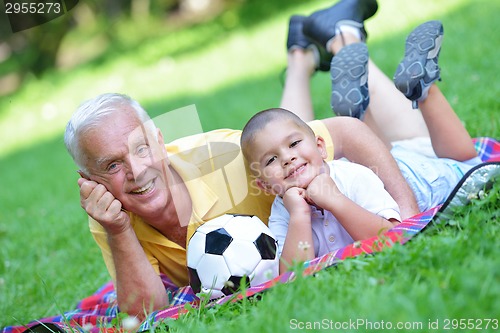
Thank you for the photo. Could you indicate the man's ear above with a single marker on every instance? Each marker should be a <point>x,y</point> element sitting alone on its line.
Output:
<point>321,145</point>
<point>83,174</point>
<point>161,143</point>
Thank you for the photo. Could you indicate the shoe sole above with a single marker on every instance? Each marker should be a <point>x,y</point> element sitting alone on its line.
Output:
<point>423,43</point>
<point>349,74</point>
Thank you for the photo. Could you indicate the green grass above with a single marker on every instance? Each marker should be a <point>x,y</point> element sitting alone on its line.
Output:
<point>229,69</point>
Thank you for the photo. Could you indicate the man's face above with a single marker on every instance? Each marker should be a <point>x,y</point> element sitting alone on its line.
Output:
<point>129,161</point>
<point>286,155</point>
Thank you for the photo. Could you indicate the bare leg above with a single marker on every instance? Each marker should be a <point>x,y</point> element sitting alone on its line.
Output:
<point>449,137</point>
<point>390,114</point>
<point>296,93</point>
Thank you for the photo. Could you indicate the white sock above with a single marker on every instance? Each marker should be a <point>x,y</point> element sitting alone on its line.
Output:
<point>347,26</point>
<point>348,29</point>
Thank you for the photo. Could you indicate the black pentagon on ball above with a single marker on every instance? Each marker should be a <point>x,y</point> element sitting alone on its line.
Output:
<point>217,241</point>
<point>266,245</point>
<point>233,284</point>
<point>194,280</point>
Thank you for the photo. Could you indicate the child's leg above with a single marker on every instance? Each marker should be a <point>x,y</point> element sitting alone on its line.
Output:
<point>449,137</point>
<point>296,95</point>
<point>390,114</point>
<point>304,58</point>
<point>416,76</point>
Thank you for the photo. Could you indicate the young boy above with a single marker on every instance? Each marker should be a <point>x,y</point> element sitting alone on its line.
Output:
<point>322,205</point>
<point>330,205</point>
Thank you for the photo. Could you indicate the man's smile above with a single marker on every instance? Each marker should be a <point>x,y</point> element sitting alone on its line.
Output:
<point>145,189</point>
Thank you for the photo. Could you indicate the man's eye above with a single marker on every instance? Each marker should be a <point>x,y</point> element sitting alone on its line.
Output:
<point>113,167</point>
<point>271,160</point>
<point>143,151</point>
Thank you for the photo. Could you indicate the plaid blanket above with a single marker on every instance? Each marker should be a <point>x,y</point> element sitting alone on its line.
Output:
<point>97,312</point>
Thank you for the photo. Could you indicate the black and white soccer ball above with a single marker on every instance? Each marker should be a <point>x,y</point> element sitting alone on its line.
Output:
<point>228,250</point>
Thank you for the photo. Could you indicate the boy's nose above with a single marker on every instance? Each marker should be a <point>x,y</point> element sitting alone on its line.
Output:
<point>288,160</point>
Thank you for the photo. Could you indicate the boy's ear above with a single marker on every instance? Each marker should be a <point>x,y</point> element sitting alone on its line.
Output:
<point>263,185</point>
<point>320,143</point>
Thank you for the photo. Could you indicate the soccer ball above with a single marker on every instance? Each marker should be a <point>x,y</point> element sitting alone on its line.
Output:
<point>229,250</point>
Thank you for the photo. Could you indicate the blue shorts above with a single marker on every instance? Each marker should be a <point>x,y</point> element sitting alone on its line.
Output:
<point>431,178</point>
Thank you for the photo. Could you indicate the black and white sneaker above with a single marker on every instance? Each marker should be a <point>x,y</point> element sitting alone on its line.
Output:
<point>419,68</point>
<point>321,26</point>
<point>297,39</point>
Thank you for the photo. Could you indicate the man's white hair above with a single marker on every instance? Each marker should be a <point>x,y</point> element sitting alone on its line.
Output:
<point>90,114</point>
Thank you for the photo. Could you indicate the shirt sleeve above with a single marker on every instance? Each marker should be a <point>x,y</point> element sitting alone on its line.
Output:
<point>364,187</point>
<point>278,222</point>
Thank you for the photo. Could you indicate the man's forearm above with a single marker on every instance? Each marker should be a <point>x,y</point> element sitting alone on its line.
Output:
<point>139,288</point>
<point>355,141</point>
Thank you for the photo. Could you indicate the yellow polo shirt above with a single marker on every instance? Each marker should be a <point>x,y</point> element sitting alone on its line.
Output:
<point>218,180</point>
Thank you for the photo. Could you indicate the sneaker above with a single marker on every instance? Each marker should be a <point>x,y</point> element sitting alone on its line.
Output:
<point>349,73</point>
<point>297,39</point>
<point>321,26</point>
<point>419,68</point>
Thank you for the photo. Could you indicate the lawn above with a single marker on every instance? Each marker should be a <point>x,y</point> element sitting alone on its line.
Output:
<point>229,69</point>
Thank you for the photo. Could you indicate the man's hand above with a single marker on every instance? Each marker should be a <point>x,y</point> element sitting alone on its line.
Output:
<point>102,206</point>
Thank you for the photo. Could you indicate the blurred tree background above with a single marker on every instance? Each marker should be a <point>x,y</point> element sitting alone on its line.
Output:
<point>39,49</point>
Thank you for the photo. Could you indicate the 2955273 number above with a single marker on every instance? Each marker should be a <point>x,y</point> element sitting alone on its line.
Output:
<point>470,324</point>
<point>32,7</point>
<point>26,14</point>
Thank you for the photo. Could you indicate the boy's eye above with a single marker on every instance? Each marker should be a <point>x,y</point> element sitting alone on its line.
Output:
<point>271,160</point>
<point>294,143</point>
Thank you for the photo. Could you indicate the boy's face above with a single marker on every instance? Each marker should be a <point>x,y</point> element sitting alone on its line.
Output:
<point>284,155</point>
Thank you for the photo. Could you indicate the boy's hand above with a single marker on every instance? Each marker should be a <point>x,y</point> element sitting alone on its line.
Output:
<point>322,191</point>
<point>295,202</point>
<point>102,206</point>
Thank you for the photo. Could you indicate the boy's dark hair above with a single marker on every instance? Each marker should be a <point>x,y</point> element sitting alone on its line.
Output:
<point>261,119</point>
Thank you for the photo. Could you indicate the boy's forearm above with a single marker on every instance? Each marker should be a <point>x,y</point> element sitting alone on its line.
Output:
<point>299,232</point>
<point>358,222</point>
